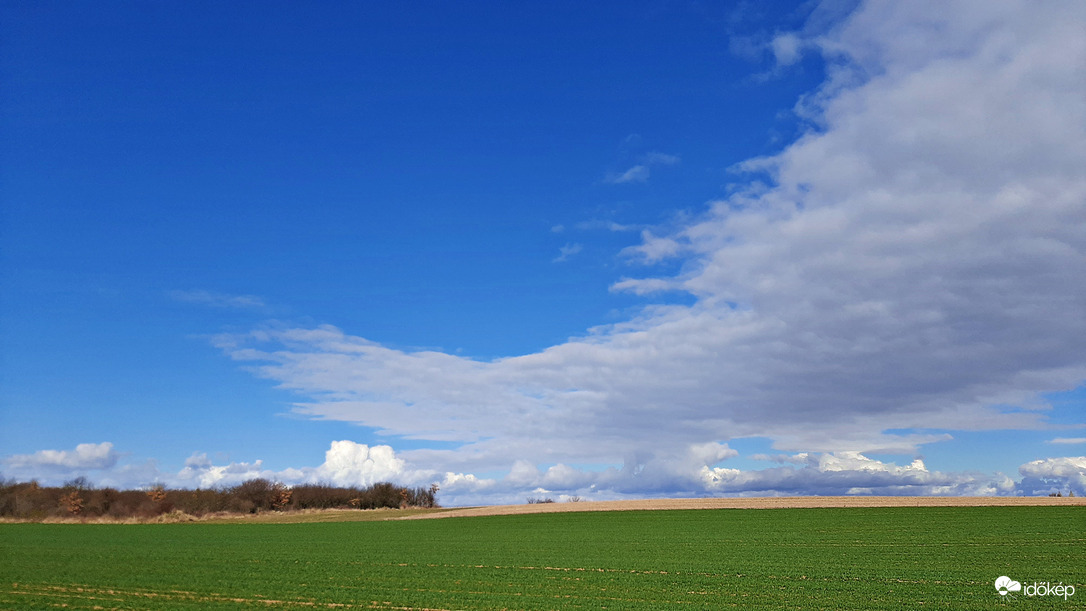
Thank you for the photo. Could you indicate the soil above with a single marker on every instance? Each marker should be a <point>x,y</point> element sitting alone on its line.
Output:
<point>758,503</point>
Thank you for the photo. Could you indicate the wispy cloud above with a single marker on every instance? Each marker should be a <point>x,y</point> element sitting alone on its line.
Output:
<point>638,173</point>
<point>654,248</point>
<point>642,170</point>
<point>567,251</point>
<point>787,48</point>
<point>606,225</point>
<point>660,159</point>
<point>218,300</point>
<point>1068,440</point>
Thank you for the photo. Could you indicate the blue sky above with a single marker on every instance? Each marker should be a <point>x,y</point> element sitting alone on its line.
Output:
<point>623,249</point>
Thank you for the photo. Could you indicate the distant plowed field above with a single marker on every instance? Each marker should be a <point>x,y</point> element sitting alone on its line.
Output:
<point>792,502</point>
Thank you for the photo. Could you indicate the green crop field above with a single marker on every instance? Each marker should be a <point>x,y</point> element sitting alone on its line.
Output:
<point>889,558</point>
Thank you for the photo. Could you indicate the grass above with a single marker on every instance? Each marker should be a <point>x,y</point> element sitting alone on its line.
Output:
<point>885,558</point>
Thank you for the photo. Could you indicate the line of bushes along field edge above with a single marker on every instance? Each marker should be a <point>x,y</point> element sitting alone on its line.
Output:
<point>77,498</point>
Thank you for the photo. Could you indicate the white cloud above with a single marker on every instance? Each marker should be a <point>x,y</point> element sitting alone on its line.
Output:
<point>200,473</point>
<point>654,248</point>
<point>645,286</point>
<point>913,268</point>
<point>85,456</point>
<point>853,473</point>
<point>697,470</point>
<point>1054,475</point>
<point>694,473</point>
<point>1068,440</point>
<point>346,463</point>
<point>352,464</point>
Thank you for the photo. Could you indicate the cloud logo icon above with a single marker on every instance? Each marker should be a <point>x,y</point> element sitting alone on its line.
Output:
<point>1005,584</point>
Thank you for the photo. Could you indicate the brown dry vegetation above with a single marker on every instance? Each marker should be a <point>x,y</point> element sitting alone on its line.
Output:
<point>77,501</point>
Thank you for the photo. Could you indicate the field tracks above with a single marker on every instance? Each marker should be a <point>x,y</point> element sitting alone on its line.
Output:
<point>76,596</point>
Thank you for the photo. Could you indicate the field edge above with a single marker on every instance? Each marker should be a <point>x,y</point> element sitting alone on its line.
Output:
<point>380,515</point>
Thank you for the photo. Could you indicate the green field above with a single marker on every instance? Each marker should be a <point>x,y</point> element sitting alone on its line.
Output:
<point>888,558</point>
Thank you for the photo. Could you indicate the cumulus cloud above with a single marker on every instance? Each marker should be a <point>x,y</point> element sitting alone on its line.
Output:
<point>352,464</point>
<point>693,474</point>
<point>85,457</point>
<point>346,463</point>
<point>99,463</point>
<point>199,472</point>
<point>1051,475</point>
<point>694,471</point>
<point>852,473</point>
<point>912,268</point>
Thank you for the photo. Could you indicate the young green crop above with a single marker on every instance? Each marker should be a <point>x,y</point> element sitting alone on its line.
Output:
<point>705,559</point>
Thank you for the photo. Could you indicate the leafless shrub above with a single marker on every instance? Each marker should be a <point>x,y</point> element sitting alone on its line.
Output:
<point>78,498</point>
<point>72,503</point>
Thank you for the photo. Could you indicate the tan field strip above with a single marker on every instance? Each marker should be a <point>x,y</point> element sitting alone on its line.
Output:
<point>377,515</point>
<point>788,502</point>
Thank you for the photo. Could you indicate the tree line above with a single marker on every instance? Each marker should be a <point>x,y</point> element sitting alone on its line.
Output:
<point>77,498</point>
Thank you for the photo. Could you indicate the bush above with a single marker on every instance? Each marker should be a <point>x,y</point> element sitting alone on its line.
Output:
<point>423,497</point>
<point>383,494</point>
<point>78,498</point>
<point>322,496</point>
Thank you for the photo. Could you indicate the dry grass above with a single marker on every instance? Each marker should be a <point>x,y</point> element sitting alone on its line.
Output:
<point>275,517</point>
<point>322,515</point>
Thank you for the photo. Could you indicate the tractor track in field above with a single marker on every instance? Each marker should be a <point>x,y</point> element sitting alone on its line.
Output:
<point>80,596</point>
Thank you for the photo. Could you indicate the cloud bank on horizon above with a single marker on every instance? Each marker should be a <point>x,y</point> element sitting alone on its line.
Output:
<point>352,464</point>
<point>911,267</point>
